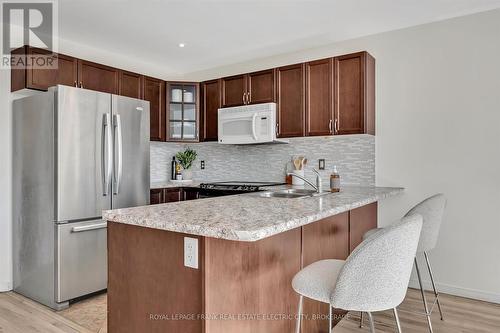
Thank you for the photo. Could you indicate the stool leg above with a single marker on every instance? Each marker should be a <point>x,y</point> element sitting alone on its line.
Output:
<point>397,319</point>
<point>299,315</point>
<point>436,294</point>
<point>422,291</point>
<point>330,318</point>
<point>361,319</point>
<point>372,324</point>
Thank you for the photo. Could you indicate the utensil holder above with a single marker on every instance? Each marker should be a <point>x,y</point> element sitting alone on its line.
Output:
<point>298,181</point>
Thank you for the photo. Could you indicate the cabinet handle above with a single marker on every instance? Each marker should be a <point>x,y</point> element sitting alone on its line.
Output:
<point>336,125</point>
<point>277,128</point>
<point>75,84</point>
<point>249,97</point>
<point>244,94</point>
<point>81,84</point>
<point>330,126</point>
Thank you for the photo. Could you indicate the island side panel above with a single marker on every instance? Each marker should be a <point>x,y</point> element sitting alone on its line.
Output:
<point>147,277</point>
<point>252,278</point>
<point>324,239</point>
<point>361,220</point>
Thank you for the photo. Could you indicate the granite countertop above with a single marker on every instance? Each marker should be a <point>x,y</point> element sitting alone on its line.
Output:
<point>169,184</point>
<point>247,217</point>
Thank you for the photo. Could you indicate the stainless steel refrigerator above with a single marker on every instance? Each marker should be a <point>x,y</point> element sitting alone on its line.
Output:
<point>76,152</point>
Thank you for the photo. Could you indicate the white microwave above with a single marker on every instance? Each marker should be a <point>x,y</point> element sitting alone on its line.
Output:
<point>248,124</point>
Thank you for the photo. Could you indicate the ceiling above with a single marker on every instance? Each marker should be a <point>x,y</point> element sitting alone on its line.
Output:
<point>223,32</point>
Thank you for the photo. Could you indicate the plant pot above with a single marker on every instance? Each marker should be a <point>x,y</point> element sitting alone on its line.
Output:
<point>187,174</point>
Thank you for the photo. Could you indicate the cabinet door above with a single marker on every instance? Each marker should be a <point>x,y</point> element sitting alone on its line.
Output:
<point>42,79</point>
<point>156,196</point>
<point>97,77</point>
<point>211,105</point>
<point>190,193</point>
<point>361,220</point>
<point>355,94</point>
<point>290,99</point>
<point>233,89</point>
<point>261,87</point>
<point>182,111</point>
<point>154,92</point>
<point>319,92</point>
<point>130,84</point>
<point>173,194</point>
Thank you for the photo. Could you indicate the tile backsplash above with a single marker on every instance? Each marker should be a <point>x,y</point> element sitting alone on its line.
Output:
<point>354,156</point>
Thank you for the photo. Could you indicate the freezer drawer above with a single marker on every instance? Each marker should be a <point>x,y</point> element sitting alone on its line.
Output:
<point>81,259</point>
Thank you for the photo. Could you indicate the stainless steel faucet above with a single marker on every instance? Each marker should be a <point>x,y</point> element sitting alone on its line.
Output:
<point>319,184</point>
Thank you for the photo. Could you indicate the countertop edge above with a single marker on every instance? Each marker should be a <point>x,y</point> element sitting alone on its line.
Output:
<point>268,231</point>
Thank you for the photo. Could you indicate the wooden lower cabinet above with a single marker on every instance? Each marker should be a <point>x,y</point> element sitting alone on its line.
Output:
<point>361,220</point>
<point>238,287</point>
<point>156,196</point>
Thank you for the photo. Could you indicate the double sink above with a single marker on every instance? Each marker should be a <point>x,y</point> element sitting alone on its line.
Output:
<point>291,193</point>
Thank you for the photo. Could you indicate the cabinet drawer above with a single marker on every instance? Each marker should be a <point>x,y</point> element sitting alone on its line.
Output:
<point>81,263</point>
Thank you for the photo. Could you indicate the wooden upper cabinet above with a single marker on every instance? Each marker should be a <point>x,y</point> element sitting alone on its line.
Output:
<point>130,84</point>
<point>154,92</point>
<point>261,87</point>
<point>233,90</point>
<point>290,90</point>
<point>319,97</point>
<point>211,103</point>
<point>355,94</point>
<point>41,79</point>
<point>97,77</point>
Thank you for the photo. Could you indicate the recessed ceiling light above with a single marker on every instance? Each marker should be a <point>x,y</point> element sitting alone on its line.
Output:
<point>182,44</point>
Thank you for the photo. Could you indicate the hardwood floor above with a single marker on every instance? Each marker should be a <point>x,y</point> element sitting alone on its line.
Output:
<point>21,315</point>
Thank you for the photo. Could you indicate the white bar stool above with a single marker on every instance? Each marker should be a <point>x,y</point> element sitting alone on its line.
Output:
<point>431,209</point>
<point>374,277</point>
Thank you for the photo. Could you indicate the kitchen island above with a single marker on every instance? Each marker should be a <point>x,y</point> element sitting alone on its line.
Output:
<point>248,249</point>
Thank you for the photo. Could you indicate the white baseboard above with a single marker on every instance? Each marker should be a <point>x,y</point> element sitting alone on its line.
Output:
<point>459,291</point>
<point>5,286</point>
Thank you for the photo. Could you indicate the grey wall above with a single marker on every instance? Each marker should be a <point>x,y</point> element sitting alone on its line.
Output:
<point>354,156</point>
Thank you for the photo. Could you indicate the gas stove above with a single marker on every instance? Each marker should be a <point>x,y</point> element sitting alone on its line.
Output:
<point>234,187</point>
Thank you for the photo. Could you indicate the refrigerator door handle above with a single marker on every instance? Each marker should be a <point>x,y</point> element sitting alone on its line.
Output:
<point>106,153</point>
<point>117,125</point>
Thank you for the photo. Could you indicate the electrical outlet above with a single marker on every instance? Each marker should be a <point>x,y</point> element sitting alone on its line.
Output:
<point>191,252</point>
<point>202,165</point>
<point>321,165</point>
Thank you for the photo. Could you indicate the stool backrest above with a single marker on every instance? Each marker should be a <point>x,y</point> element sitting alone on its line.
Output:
<point>375,276</point>
<point>431,210</point>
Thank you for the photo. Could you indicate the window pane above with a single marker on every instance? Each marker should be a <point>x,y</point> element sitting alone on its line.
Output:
<point>176,93</point>
<point>190,131</point>
<point>175,111</point>
<point>189,94</point>
<point>175,130</point>
<point>189,112</point>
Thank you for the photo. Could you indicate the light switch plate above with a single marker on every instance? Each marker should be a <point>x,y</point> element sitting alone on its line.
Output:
<point>191,252</point>
<point>321,163</point>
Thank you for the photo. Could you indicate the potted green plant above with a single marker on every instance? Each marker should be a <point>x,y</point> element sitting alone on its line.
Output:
<point>186,159</point>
